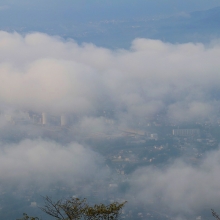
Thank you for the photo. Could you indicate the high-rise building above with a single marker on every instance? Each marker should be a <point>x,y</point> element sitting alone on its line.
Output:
<point>44,118</point>
<point>63,120</point>
<point>185,132</point>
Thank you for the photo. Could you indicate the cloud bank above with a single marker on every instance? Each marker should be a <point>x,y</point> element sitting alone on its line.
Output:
<point>43,73</point>
<point>176,190</point>
<point>179,188</point>
<point>98,87</point>
<point>45,163</point>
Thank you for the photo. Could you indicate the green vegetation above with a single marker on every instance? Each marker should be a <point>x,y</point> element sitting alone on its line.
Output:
<point>214,214</point>
<point>75,208</point>
<point>26,217</point>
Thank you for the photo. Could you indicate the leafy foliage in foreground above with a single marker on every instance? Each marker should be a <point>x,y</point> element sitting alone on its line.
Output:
<point>214,214</point>
<point>26,217</point>
<point>75,208</point>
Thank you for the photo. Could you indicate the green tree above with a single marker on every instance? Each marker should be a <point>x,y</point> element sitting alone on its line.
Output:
<point>79,209</point>
<point>26,217</point>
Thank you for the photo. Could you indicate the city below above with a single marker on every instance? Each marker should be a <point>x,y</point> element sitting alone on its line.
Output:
<point>125,149</point>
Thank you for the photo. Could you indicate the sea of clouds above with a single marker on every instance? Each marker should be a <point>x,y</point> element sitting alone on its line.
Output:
<point>44,73</point>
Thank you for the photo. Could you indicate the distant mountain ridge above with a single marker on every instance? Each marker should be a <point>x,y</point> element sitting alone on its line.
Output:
<point>197,26</point>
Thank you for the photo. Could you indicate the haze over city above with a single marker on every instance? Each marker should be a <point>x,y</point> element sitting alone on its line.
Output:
<point>110,101</point>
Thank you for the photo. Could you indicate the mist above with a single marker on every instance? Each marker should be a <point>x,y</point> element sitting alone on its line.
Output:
<point>103,91</point>
<point>44,73</point>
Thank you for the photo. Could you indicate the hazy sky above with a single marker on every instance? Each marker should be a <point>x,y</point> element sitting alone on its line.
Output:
<point>40,72</point>
<point>85,10</point>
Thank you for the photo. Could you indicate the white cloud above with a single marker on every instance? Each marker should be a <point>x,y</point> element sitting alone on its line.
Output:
<point>44,163</point>
<point>179,188</point>
<point>45,73</point>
